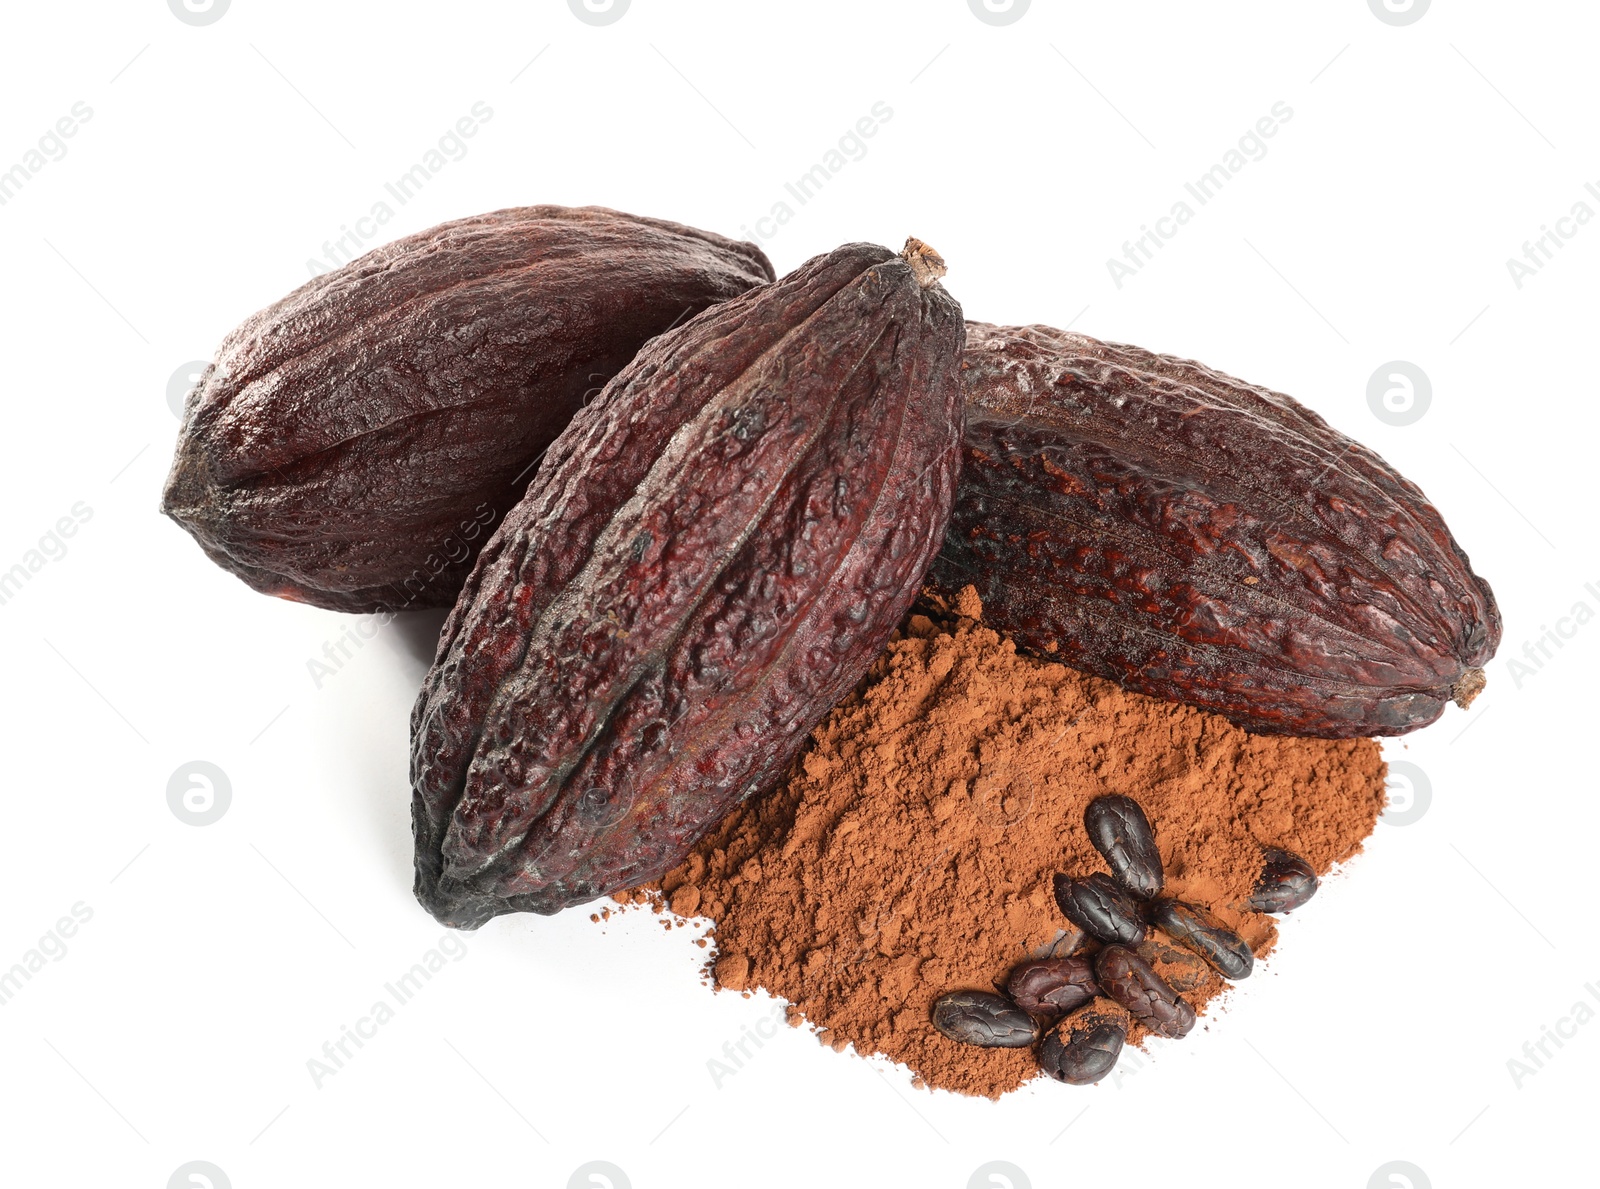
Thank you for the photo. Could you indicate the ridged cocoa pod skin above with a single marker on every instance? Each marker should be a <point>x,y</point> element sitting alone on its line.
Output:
<point>352,445</point>
<point>1198,930</point>
<point>1202,540</point>
<point>1128,979</point>
<point>712,555</point>
<point>1085,1046</point>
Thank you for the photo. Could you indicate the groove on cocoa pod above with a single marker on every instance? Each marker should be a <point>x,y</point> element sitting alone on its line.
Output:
<point>711,556</point>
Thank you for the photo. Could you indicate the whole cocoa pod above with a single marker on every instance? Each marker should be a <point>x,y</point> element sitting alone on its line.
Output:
<point>711,556</point>
<point>1198,539</point>
<point>352,445</point>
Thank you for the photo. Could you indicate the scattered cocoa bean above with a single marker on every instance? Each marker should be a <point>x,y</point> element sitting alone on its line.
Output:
<point>984,1019</point>
<point>1287,881</point>
<point>1120,831</point>
<point>1196,929</point>
<point>1084,1048</point>
<point>1128,979</point>
<point>1053,987</point>
<point>1100,907</point>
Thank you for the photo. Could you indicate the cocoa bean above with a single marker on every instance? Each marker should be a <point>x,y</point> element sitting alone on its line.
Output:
<point>1287,881</point>
<point>1084,1047</point>
<point>1054,986</point>
<point>1120,831</point>
<point>1100,907</point>
<point>1127,978</point>
<point>1202,540</point>
<point>354,445</point>
<point>982,1019</point>
<point>1198,930</point>
<point>709,559</point>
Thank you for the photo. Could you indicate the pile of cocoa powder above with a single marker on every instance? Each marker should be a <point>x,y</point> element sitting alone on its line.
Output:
<point>911,849</point>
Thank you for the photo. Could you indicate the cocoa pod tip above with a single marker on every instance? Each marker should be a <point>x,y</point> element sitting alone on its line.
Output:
<point>1467,687</point>
<point>926,264</point>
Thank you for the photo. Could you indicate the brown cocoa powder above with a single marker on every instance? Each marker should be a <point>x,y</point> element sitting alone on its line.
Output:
<point>911,849</point>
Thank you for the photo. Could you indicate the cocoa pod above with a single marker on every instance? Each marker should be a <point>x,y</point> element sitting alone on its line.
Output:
<point>1128,979</point>
<point>984,1019</point>
<point>1085,1046</point>
<point>1286,882</point>
<point>1101,907</point>
<point>353,445</point>
<point>710,558</point>
<point>1197,930</point>
<point>1205,541</point>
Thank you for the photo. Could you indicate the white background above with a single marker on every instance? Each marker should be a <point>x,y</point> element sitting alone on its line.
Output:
<point>178,1024</point>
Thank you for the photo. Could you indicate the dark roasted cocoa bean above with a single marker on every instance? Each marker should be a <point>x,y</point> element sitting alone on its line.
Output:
<point>1068,943</point>
<point>983,1019</point>
<point>1202,540</point>
<point>1120,831</point>
<point>1101,907</point>
<point>708,560</point>
<point>355,444</point>
<point>1182,970</point>
<point>1196,929</point>
<point>1054,986</point>
<point>1287,881</point>
<point>1084,1047</point>
<point>1128,979</point>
